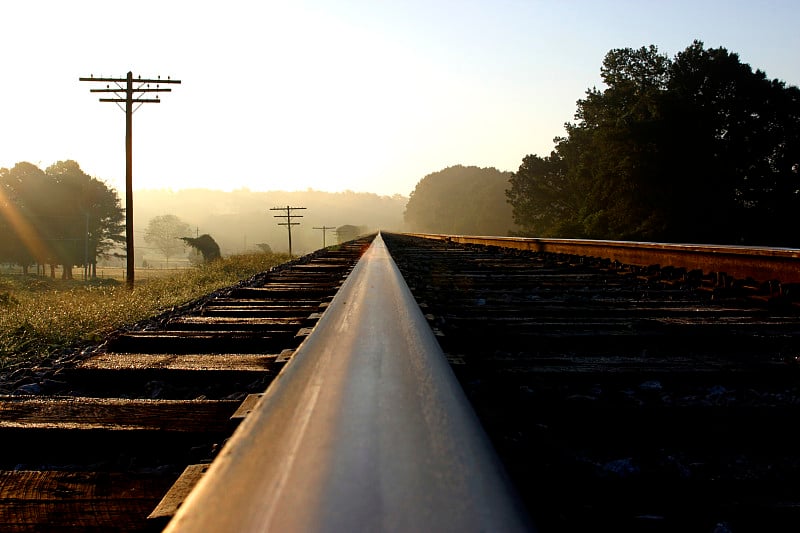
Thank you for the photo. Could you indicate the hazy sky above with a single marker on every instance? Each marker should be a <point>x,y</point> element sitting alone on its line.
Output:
<point>361,95</point>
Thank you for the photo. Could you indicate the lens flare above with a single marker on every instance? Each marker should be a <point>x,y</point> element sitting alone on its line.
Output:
<point>23,229</point>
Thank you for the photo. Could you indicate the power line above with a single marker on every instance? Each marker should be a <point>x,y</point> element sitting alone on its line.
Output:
<point>288,216</point>
<point>130,95</point>
<point>324,229</point>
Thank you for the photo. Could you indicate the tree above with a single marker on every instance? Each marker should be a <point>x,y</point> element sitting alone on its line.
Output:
<point>695,148</point>
<point>165,232</point>
<point>264,247</point>
<point>95,215</point>
<point>743,138</point>
<point>59,216</point>
<point>613,152</point>
<point>206,245</point>
<point>21,189</point>
<point>461,200</point>
<point>543,188</point>
<point>348,232</point>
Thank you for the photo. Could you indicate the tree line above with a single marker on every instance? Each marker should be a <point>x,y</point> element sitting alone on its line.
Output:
<point>465,200</point>
<point>57,216</point>
<point>695,148</point>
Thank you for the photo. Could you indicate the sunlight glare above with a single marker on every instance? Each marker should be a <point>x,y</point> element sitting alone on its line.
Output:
<point>24,230</point>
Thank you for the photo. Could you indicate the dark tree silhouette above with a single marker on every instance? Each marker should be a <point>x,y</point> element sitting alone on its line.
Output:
<point>697,148</point>
<point>461,200</point>
<point>348,232</point>
<point>206,245</point>
<point>59,216</point>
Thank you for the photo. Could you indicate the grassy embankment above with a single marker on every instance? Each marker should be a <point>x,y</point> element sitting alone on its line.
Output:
<point>40,316</point>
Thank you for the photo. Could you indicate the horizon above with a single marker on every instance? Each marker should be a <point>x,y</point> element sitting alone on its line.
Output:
<point>250,190</point>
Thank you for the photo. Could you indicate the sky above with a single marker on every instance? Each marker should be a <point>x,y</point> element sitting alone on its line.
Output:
<point>367,96</point>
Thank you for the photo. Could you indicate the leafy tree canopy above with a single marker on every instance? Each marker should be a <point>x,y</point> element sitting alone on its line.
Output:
<point>461,200</point>
<point>695,148</point>
<point>58,216</point>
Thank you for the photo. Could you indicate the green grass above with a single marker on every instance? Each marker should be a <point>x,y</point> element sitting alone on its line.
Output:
<point>40,317</point>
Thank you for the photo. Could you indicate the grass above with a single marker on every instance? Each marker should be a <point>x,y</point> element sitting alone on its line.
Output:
<point>40,317</point>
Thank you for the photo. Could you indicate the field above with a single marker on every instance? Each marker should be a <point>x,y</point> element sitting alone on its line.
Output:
<point>41,316</point>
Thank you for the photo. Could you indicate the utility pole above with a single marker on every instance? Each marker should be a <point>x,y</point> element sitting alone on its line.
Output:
<point>129,95</point>
<point>288,216</point>
<point>324,229</point>
<point>86,251</point>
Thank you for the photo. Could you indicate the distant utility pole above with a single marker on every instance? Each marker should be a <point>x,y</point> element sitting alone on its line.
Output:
<point>86,269</point>
<point>288,216</point>
<point>324,229</point>
<point>130,95</point>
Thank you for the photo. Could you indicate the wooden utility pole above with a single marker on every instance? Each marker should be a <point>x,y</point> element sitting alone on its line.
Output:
<point>324,229</point>
<point>288,216</point>
<point>133,98</point>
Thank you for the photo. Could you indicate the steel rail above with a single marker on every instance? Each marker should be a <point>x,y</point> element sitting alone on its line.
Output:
<point>366,429</point>
<point>741,262</point>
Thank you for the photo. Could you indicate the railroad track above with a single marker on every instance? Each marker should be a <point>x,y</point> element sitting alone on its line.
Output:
<point>622,398</point>
<point>618,398</point>
<point>115,440</point>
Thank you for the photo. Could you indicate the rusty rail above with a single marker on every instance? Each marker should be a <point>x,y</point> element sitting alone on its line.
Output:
<point>741,262</point>
<point>365,429</point>
<point>621,398</point>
